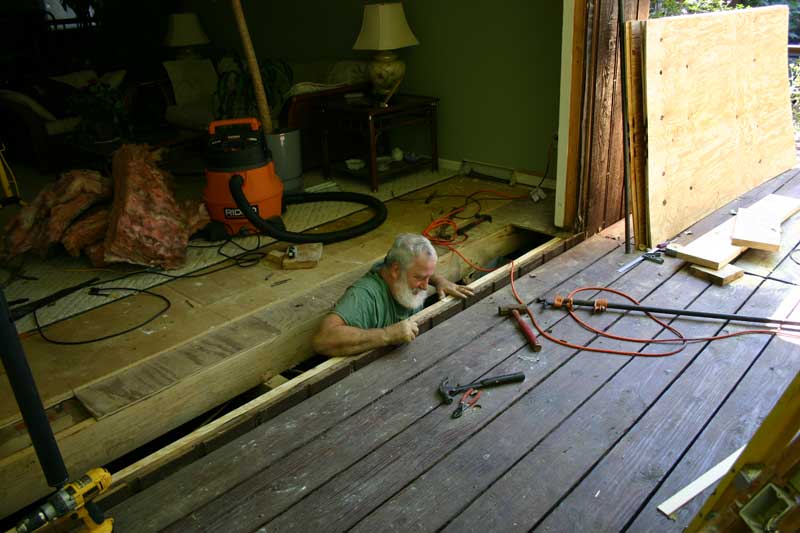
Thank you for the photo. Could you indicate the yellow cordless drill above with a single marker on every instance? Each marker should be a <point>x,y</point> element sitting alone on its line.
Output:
<point>75,500</point>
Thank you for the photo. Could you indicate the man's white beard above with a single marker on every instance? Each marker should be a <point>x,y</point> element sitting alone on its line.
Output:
<point>406,296</point>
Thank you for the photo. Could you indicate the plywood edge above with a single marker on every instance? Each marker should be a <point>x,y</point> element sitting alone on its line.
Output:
<point>752,229</point>
<point>723,276</point>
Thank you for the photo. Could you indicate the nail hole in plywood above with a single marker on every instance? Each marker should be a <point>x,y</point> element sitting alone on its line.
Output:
<point>664,202</point>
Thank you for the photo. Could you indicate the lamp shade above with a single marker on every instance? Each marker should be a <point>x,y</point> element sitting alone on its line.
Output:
<point>184,30</point>
<point>384,28</point>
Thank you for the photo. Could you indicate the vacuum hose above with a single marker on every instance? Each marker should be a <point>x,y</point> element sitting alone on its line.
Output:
<point>274,230</point>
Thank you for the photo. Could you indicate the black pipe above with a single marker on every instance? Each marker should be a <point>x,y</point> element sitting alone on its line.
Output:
<point>273,230</point>
<point>667,311</point>
<point>30,404</point>
<point>626,170</point>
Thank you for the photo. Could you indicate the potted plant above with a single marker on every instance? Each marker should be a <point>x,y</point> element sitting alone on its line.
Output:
<point>235,98</point>
<point>102,110</point>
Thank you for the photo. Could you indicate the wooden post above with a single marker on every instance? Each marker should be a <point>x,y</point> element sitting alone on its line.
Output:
<point>252,64</point>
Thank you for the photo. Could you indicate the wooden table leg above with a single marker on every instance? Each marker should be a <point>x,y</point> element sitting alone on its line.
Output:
<point>373,164</point>
<point>434,140</point>
<point>326,156</point>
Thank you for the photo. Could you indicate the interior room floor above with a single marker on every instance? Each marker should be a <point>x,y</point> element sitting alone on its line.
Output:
<point>60,270</point>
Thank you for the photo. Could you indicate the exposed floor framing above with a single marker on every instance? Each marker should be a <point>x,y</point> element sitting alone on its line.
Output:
<point>227,332</point>
<point>588,442</point>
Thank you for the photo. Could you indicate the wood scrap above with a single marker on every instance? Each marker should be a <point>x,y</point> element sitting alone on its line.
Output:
<point>636,130</point>
<point>700,484</point>
<point>304,256</point>
<point>723,276</point>
<point>715,249</point>
<point>756,229</point>
<point>297,256</point>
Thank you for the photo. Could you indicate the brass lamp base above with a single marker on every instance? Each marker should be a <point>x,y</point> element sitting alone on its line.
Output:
<point>385,71</point>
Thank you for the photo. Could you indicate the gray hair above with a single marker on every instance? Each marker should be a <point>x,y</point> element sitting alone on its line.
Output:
<point>406,248</point>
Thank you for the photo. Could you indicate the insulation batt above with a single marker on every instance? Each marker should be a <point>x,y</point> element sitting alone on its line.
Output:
<point>43,222</point>
<point>88,229</point>
<point>146,226</point>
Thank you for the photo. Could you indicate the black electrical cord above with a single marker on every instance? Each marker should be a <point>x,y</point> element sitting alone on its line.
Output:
<point>249,257</point>
<point>99,292</point>
<point>792,257</point>
<point>549,160</point>
<point>779,280</point>
<point>274,228</point>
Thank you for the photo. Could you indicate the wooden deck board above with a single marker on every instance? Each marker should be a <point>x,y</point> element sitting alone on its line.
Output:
<point>536,424</point>
<point>339,402</point>
<point>584,432</point>
<point>732,426</point>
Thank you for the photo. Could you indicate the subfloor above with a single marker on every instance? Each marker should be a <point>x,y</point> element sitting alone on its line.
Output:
<point>33,277</point>
<point>588,442</point>
<point>227,331</point>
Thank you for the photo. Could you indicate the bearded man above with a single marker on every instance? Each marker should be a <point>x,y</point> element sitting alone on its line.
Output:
<point>375,310</point>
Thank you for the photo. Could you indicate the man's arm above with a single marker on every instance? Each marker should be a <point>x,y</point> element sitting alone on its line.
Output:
<point>335,338</point>
<point>446,287</point>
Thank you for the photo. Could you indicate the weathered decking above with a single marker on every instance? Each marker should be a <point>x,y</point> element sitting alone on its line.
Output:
<point>588,442</point>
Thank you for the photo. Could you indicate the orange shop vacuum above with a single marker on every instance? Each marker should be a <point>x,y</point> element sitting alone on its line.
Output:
<point>244,195</point>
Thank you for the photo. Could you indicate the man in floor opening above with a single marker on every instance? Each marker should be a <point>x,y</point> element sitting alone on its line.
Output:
<point>375,310</point>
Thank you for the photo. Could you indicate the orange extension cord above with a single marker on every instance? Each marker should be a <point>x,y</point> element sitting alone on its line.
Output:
<point>449,243</point>
<point>447,221</point>
<point>683,341</point>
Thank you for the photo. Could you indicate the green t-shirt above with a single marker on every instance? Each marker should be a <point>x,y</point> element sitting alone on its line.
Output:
<point>368,304</point>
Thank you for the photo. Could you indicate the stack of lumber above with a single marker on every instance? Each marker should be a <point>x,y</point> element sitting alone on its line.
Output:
<point>756,226</point>
<point>709,114</point>
<point>725,243</point>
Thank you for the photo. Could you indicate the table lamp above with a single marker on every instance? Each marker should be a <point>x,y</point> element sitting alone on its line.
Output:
<point>184,33</point>
<point>384,29</point>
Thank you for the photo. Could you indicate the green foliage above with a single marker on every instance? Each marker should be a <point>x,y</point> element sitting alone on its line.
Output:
<point>235,97</point>
<point>669,8</point>
<point>794,84</point>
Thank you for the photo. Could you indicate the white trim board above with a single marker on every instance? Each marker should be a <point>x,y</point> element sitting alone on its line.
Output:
<point>567,22</point>
<point>513,176</point>
<point>680,498</point>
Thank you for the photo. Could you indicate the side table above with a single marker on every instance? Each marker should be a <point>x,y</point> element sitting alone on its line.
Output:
<point>370,119</point>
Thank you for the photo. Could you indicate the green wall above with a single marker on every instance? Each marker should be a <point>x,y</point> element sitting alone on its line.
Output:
<point>495,65</point>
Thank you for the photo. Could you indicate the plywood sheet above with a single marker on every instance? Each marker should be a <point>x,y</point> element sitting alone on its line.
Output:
<point>718,112</point>
<point>757,229</point>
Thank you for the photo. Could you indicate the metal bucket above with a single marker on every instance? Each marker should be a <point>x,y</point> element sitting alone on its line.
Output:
<point>285,148</point>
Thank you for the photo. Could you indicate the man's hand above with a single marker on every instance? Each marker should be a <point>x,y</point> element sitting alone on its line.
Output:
<point>445,287</point>
<point>402,332</point>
